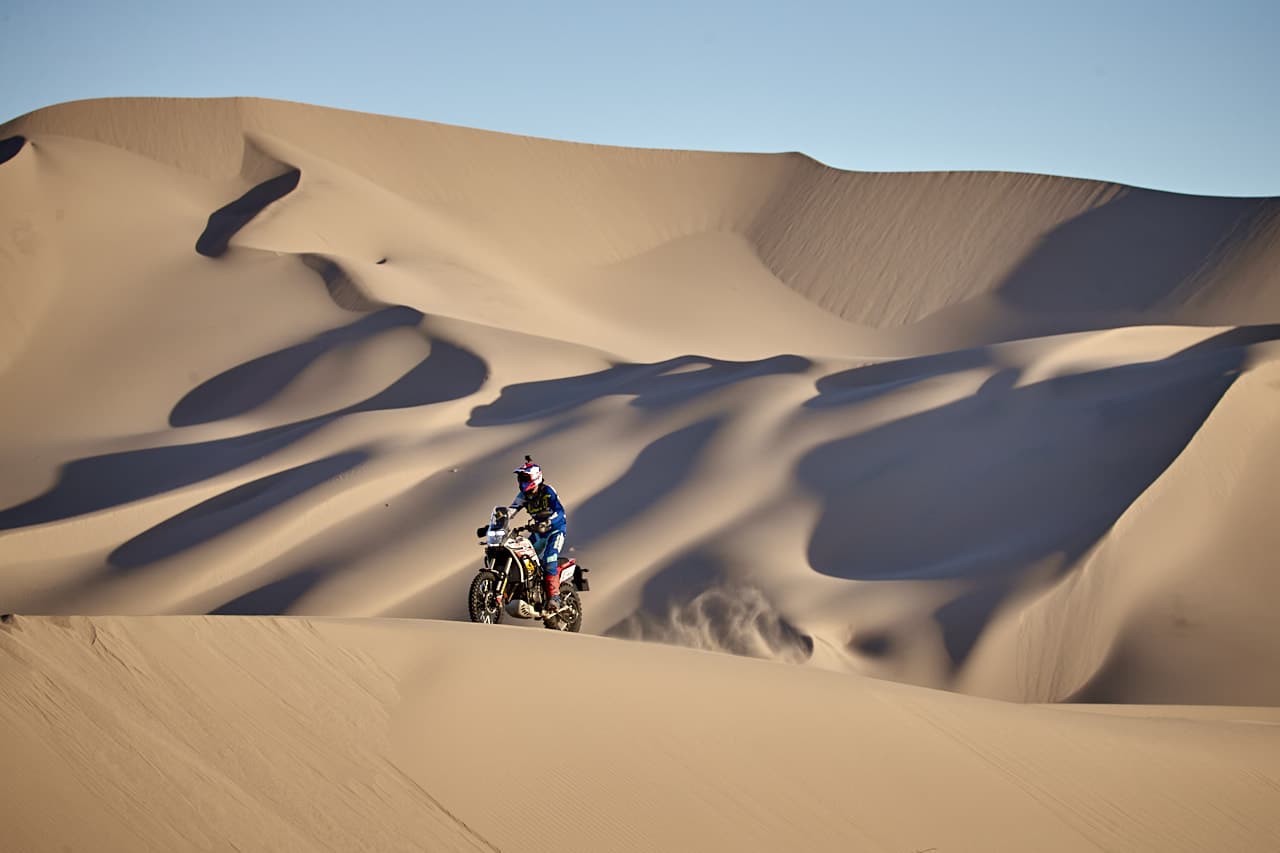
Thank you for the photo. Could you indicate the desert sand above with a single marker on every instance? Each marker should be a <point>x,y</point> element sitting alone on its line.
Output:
<point>924,512</point>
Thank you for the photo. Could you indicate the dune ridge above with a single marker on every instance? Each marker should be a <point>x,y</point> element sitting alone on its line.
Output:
<point>876,249</point>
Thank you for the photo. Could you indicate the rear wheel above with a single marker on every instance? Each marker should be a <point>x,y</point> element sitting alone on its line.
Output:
<point>481,604</point>
<point>570,619</point>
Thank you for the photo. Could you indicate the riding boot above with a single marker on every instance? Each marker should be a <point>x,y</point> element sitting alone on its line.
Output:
<point>553,591</point>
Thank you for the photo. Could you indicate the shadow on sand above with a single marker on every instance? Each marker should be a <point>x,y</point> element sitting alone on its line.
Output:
<point>222,513</point>
<point>987,486</point>
<point>247,386</point>
<point>1128,255</point>
<point>658,471</point>
<point>863,383</point>
<point>664,383</point>
<point>229,219</point>
<point>1010,474</point>
<point>87,485</point>
<point>10,146</point>
<point>277,597</point>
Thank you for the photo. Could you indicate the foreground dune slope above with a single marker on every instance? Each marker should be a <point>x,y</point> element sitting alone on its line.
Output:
<point>268,733</point>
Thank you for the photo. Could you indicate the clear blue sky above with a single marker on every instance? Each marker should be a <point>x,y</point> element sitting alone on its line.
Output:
<point>1176,95</point>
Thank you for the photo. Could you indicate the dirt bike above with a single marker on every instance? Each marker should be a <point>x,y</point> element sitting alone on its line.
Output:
<point>510,580</point>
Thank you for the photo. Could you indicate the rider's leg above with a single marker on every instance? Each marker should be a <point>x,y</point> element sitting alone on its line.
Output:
<point>551,567</point>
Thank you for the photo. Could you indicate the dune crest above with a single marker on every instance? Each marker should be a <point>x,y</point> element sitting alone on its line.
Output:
<point>881,250</point>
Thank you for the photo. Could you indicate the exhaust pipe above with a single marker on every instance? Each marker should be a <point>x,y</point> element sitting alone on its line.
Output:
<point>521,609</point>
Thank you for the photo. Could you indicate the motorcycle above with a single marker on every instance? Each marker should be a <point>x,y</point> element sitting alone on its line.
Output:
<point>510,581</point>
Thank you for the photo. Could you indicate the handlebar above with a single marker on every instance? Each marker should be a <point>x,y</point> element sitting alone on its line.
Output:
<point>524,528</point>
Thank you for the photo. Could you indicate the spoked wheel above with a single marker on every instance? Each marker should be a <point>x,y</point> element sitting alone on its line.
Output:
<point>569,619</point>
<point>481,604</point>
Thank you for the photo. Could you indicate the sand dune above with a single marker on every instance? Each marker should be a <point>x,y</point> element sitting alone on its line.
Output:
<point>1006,435</point>
<point>399,735</point>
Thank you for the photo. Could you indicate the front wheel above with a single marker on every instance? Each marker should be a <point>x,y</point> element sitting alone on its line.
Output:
<point>570,619</point>
<point>481,604</point>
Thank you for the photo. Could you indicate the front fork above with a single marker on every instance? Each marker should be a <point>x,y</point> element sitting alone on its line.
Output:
<point>500,594</point>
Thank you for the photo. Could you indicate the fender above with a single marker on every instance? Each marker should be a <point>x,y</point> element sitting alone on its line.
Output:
<point>569,571</point>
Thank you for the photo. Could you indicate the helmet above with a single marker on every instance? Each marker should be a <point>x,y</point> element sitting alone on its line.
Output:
<point>529,476</point>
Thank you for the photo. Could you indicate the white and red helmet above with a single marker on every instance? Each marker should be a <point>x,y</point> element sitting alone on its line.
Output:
<point>529,476</point>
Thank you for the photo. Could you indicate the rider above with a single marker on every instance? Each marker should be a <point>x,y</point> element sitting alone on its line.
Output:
<point>544,507</point>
